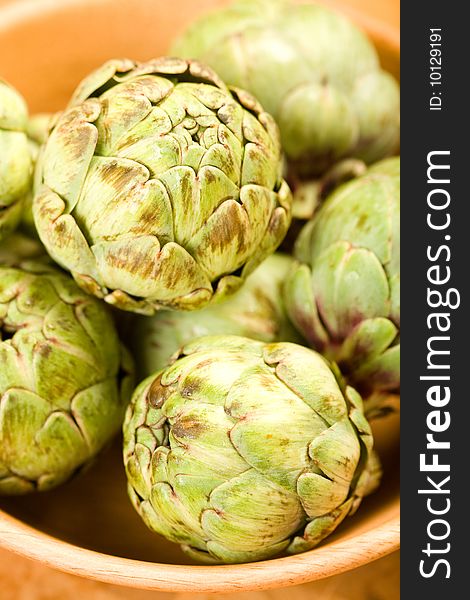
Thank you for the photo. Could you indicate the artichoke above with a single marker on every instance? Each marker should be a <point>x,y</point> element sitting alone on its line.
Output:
<point>344,295</point>
<point>64,378</point>
<point>312,69</point>
<point>241,450</point>
<point>256,311</point>
<point>158,187</point>
<point>15,158</point>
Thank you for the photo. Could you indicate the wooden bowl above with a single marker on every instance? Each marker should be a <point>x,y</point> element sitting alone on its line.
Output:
<point>88,527</point>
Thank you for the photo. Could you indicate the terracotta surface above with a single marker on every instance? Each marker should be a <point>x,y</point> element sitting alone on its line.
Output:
<point>88,527</point>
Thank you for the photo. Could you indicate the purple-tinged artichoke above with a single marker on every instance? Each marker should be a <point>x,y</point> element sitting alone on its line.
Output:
<point>65,379</point>
<point>344,295</point>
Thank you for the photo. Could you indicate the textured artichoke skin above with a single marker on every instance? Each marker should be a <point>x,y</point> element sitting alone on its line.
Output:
<point>15,159</point>
<point>242,450</point>
<point>344,295</point>
<point>160,188</point>
<point>313,70</point>
<point>65,379</point>
<point>256,311</point>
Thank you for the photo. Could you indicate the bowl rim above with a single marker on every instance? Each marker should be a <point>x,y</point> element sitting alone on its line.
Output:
<point>335,558</point>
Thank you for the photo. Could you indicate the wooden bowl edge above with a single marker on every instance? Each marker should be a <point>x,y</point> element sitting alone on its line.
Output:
<point>338,557</point>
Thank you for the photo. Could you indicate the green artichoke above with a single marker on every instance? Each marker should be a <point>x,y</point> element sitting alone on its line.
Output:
<point>256,311</point>
<point>15,158</point>
<point>312,69</point>
<point>64,378</point>
<point>344,296</point>
<point>241,450</point>
<point>158,187</point>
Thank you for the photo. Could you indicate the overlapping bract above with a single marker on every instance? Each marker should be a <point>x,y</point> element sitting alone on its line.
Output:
<point>312,69</point>
<point>159,187</point>
<point>344,297</point>
<point>64,378</point>
<point>241,450</point>
<point>256,311</point>
<point>15,158</point>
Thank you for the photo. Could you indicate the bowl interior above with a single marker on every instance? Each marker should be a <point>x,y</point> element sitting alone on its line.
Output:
<point>60,42</point>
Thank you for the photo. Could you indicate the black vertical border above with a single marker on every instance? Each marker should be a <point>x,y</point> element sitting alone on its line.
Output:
<point>424,131</point>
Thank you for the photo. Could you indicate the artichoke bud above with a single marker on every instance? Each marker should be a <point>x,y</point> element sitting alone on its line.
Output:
<point>242,450</point>
<point>344,294</point>
<point>64,380</point>
<point>158,187</point>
